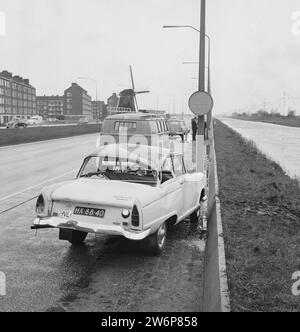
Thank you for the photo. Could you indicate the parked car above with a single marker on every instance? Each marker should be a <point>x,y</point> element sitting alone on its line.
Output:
<point>140,128</point>
<point>16,124</point>
<point>123,190</point>
<point>82,121</point>
<point>178,128</point>
<point>35,120</point>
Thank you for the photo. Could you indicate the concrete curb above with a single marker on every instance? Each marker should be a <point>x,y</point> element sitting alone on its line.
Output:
<point>216,291</point>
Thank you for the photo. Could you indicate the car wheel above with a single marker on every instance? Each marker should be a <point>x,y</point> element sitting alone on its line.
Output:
<point>77,238</point>
<point>157,241</point>
<point>195,216</point>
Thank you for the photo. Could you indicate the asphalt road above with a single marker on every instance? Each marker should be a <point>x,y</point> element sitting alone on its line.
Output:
<point>108,273</point>
<point>24,166</point>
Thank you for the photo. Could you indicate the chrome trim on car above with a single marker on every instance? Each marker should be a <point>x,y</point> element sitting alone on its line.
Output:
<point>90,228</point>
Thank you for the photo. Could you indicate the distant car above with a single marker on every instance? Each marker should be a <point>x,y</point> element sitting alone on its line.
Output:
<point>178,128</point>
<point>121,189</point>
<point>35,120</point>
<point>83,122</point>
<point>16,124</point>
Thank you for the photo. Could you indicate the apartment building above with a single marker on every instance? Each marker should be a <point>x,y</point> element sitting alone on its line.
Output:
<point>51,108</point>
<point>99,110</point>
<point>77,102</point>
<point>17,97</point>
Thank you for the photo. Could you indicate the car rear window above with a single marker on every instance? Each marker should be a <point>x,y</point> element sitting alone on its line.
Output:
<point>121,125</point>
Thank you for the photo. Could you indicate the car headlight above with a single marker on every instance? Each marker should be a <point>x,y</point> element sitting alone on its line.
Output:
<point>125,213</point>
<point>40,205</point>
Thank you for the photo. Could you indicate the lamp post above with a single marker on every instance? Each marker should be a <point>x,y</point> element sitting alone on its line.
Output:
<point>96,84</point>
<point>201,81</point>
<point>209,116</point>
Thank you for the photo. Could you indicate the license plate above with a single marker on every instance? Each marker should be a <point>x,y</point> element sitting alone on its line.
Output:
<point>88,212</point>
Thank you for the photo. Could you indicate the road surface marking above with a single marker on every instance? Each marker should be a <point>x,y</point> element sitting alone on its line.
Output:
<point>37,185</point>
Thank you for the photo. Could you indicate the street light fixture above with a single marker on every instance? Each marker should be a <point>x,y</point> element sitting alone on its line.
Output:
<point>96,84</point>
<point>209,50</point>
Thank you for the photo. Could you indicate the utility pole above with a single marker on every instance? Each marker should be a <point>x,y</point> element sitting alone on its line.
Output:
<point>201,87</point>
<point>209,115</point>
<point>202,46</point>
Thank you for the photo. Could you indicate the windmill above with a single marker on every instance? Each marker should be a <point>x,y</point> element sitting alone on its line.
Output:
<point>128,97</point>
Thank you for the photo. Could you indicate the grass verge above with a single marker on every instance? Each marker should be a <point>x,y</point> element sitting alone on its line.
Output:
<point>35,134</point>
<point>261,218</point>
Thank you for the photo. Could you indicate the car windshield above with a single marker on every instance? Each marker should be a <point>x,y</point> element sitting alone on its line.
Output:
<point>118,169</point>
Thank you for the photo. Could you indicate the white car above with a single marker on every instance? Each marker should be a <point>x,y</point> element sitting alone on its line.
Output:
<point>35,120</point>
<point>130,190</point>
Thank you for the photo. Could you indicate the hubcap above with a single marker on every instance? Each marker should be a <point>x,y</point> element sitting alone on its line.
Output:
<point>161,235</point>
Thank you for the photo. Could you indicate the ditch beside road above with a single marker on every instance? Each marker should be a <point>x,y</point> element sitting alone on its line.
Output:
<point>261,219</point>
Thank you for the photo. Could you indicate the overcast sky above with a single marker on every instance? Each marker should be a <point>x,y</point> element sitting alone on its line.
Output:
<point>255,55</point>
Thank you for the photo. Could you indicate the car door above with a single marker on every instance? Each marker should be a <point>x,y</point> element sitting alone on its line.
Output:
<point>190,190</point>
<point>171,189</point>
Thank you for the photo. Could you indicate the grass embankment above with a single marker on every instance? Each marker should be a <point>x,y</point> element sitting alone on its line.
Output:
<point>34,134</point>
<point>261,218</point>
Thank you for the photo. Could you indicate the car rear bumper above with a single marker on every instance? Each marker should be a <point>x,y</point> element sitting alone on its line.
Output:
<point>55,222</point>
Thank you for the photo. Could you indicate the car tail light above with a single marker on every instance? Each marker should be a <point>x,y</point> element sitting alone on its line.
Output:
<point>40,205</point>
<point>135,220</point>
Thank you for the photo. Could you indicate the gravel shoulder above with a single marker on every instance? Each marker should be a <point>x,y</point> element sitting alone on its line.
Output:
<point>261,219</point>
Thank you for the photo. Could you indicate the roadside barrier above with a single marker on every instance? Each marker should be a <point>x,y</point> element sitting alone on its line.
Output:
<point>215,290</point>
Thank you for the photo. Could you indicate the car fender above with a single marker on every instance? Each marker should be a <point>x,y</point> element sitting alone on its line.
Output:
<point>48,191</point>
<point>154,215</point>
<point>155,224</point>
<point>200,178</point>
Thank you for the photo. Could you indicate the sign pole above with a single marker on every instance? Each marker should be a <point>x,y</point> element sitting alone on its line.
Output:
<point>209,115</point>
<point>201,119</point>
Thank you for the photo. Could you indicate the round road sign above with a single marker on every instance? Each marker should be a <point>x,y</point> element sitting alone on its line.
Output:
<point>201,103</point>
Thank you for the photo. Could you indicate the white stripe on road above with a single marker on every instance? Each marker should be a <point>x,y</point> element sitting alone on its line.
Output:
<point>38,185</point>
